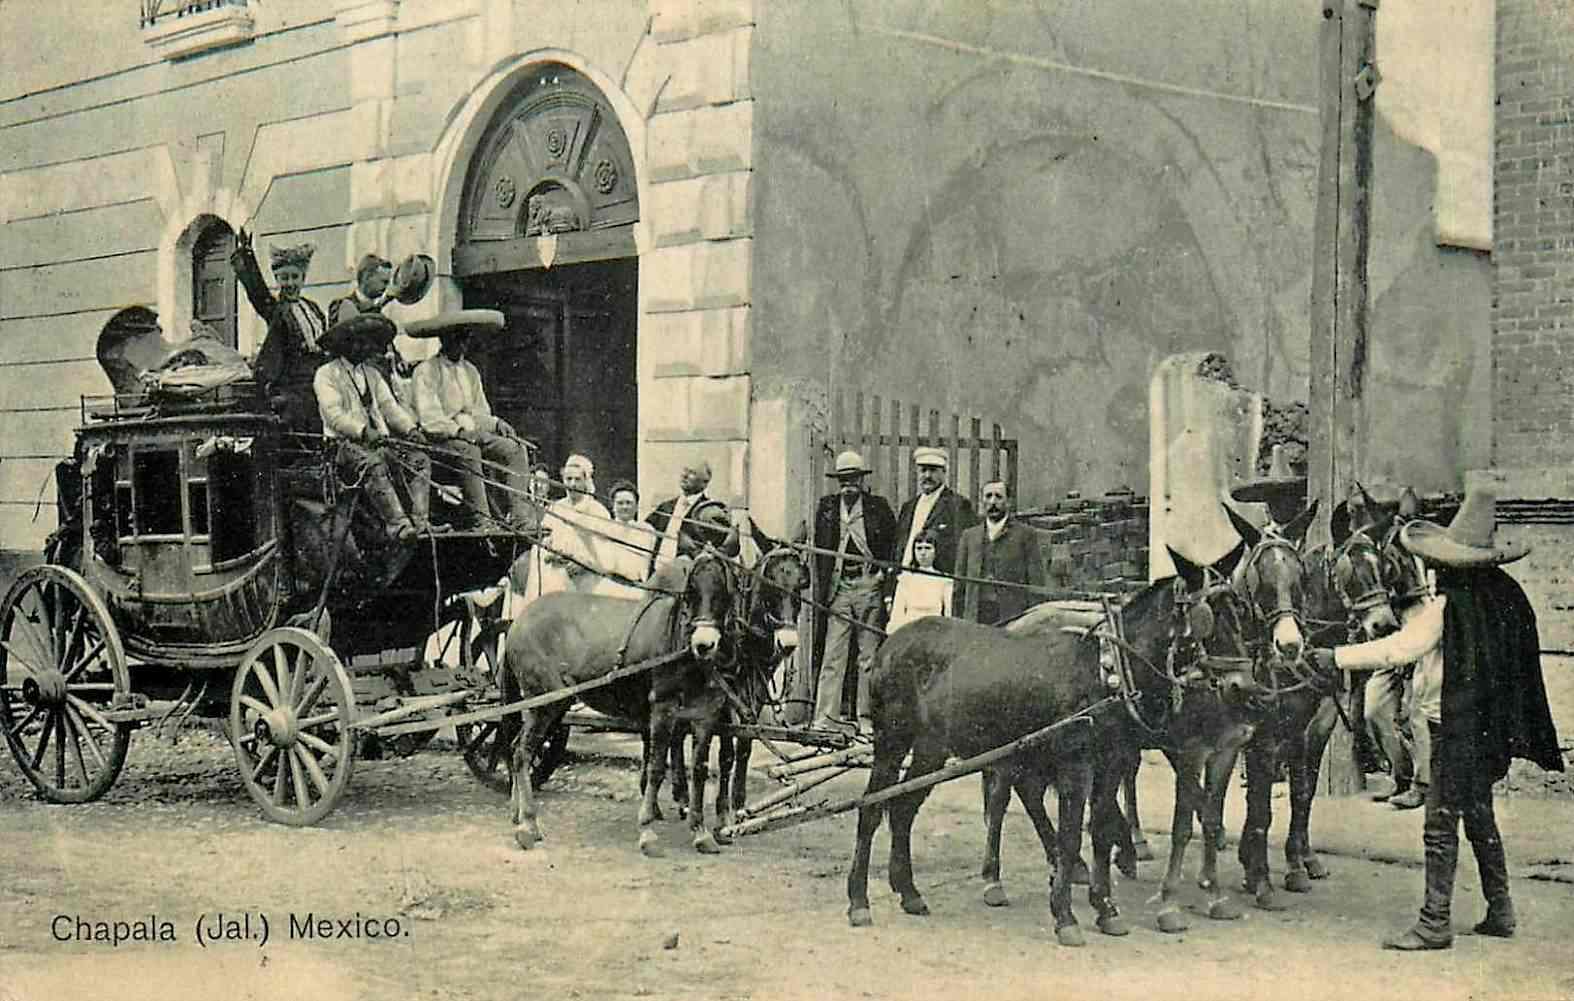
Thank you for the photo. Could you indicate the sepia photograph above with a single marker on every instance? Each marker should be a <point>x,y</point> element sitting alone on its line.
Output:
<point>786,500</point>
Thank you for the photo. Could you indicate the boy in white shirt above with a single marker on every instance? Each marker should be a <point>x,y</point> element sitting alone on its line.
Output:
<point>920,593</point>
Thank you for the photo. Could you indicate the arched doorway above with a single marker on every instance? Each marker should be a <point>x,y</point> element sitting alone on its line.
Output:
<point>546,236</point>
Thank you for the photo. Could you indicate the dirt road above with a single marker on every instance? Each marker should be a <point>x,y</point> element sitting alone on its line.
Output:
<point>420,851</point>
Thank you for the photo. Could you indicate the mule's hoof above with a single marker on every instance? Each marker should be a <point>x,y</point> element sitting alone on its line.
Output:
<point>1144,853</point>
<point>526,837</point>
<point>1080,875</point>
<point>1114,924</point>
<point>1172,922</point>
<point>915,905</point>
<point>995,895</point>
<point>860,917</point>
<point>1316,869</point>
<point>705,844</point>
<point>683,812</point>
<point>1268,899</point>
<point>1070,935</point>
<point>649,844</point>
<point>1224,909</point>
<point>1297,881</point>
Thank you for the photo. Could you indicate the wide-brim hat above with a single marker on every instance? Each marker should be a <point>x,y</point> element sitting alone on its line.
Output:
<point>1280,483</point>
<point>342,334</point>
<point>414,277</point>
<point>456,321</point>
<point>849,463</point>
<point>1470,540</point>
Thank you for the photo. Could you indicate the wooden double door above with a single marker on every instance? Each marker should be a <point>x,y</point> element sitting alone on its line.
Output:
<point>563,371</point>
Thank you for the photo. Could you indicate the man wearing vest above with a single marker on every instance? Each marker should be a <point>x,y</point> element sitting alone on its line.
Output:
<point>857,526</point>
<point>1000,549</point>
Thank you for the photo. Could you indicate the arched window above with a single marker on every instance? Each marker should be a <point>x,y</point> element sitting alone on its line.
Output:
<point>213,280</point>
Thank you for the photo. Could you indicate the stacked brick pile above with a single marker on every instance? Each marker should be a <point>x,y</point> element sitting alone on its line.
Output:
<point>1095,544</point>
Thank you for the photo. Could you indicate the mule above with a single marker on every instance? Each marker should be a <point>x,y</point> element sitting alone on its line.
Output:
<point>941,687</point>
<point>1344,598</point>
<point>565,638</point>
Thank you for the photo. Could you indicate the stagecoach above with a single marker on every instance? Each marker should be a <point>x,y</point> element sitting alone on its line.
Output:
<point>209,565</point>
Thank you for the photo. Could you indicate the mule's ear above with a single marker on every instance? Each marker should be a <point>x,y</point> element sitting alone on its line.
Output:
<point>1230,560</point>
<point>1295,531</point>
<point>1189,572</point>
<point>1245,529</point>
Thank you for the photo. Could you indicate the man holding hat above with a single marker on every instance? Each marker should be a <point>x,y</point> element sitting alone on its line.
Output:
<point>452,407</point>
<point>360,416</point>
<point>857,527</point>
<point>937,509</point>
<point>1478,684</point>
<point>291,352</point>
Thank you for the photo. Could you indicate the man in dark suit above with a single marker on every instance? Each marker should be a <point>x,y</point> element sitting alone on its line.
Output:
<point>692,482</point>
<point>1000,549</point>
<point>857,527</point>
<point>937,509</point>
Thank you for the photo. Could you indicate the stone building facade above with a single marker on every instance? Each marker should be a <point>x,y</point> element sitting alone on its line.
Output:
<point>704,217</point>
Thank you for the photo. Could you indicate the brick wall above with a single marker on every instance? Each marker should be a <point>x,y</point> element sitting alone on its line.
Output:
<point>1095,544</point>
<point>1533,235</point>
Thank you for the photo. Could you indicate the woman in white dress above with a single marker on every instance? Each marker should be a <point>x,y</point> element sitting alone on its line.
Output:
<point>579,556</point>
<point>632,541</point>
<point>920,594</point>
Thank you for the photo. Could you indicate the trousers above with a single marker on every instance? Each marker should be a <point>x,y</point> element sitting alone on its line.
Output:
<point>508,452</point>
<point>1384,702</point>
<point>1440,836</point>
<point>862,602</point>
<point>396,478</point>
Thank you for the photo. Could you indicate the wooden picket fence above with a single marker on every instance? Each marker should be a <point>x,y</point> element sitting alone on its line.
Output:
<point>876,429</point>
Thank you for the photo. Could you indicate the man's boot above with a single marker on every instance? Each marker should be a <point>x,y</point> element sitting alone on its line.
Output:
<point>1410,798</point>
<point>1433,928</point>
<point>386,503</point>
<point>1493,866</point>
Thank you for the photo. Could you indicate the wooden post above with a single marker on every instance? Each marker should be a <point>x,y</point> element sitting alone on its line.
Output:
<point>1339,345</point>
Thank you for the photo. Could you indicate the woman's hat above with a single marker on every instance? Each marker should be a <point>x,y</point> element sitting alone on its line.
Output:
<point>1470,540</point>
<point>413,276</point>
<point>848,464</point>
<point>455,321</point>
<point>341,335</point>
<point>1281,482</point>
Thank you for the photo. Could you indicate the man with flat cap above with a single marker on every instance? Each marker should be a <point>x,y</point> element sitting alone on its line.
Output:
<point>1479,684</point>
<point>452,407</point>
<point>858,527</point>
<point>937,509</point>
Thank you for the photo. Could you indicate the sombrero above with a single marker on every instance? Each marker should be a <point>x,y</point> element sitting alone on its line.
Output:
<point>339,337</point>
<point>1470,540</point>
<point>1280,483</point>
<point>413,276</point>
<point>455,321</point>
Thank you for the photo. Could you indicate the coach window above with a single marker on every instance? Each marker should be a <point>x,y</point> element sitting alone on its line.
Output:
<point>239,524</point>
<point>213,280</point>
<point>155,491</point>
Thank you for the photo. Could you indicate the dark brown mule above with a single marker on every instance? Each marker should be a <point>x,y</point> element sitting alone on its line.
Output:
<point>943,687</point>
<point>1200,724</point>
<point>767,632</point>
<point>566,638</point>
<point>1344,598</point>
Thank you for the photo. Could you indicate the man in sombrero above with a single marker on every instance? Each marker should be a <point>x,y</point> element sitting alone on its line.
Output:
<point>291,352</point>
<point>363,423</point>
<point>452,407</point>
<point>1282,490</point>
<point>1478,684</point>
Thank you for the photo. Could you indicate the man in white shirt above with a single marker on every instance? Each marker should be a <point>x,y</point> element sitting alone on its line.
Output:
<point>1479,686</point>
<point>667,518</point>
<point>361,418</point>
<point>937,509</point>
<point>452,408</point>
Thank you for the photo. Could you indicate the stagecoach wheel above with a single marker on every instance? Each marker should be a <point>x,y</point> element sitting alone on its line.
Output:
<point>489,753</point>
<point>62,667</point>
<point>291,707</point>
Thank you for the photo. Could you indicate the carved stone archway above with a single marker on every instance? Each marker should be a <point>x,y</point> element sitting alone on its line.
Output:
<point>553,163</point>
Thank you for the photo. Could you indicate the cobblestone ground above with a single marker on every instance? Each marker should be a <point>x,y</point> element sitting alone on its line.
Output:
<point>419,848</point>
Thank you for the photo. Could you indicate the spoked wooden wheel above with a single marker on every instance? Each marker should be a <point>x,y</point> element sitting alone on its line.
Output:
<point>489,753</point>
<point>62,667</point>
<point>290,713</point>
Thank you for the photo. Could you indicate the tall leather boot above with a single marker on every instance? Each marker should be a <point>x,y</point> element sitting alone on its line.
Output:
<point>1433,928</point>
<point>1492,863</point>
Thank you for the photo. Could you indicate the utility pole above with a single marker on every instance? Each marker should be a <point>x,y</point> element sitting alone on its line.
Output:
<point>1347,77</point>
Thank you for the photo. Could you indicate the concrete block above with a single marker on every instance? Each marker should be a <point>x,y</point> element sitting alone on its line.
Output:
<point>371,188</point>
<point>412,182</point>
<point>721,15</point>
<point>724,205</point>
<point>724,273</point>
<point>366,130</point>
<point>661,461</point>
<point>708,140</point>
<point>407,234</point>
<point>668,275</point>
<point>707,69</point>
<point>673,20</point>
<point>647,73</point>
<point>664,409</point>
<point>365,19</point>
<point>372,69</point>
<point>701,208</point>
